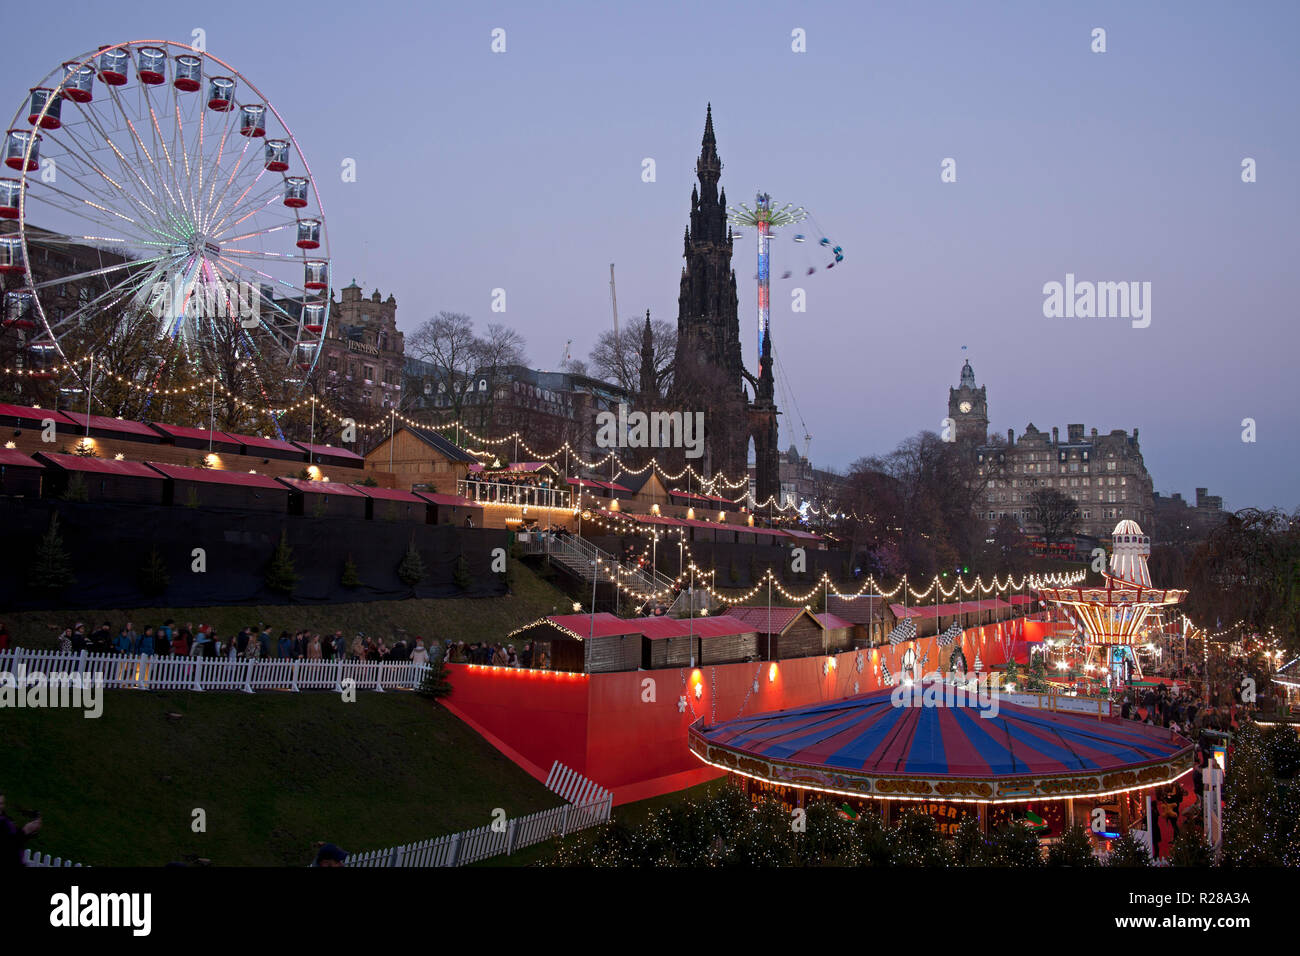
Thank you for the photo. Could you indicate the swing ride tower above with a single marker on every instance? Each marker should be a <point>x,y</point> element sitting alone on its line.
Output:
<point>763,218</point>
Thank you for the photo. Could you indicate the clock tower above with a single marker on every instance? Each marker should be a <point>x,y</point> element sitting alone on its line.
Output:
<point>969,409</point>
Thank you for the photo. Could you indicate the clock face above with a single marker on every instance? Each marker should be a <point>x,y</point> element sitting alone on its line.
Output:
<point>965,408</point>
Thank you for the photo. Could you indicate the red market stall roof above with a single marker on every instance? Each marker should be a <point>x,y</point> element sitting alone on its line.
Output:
<point>593,483</point>
<point>799,533</point>
<point>329,450</point>
<point>927,611</point>
<point>388,494</point>
<point>1019,599</point>
<point>199,434</point>
<point>321,487</point>
<point>869,745</point>
<point>832,622</point>
<point>724,625</point>
<point>99,466</point>
<point>28,412</point>
<point>11,458</point>
<point>105,424</point>
<point>439,498</point>
<point>696,496</point>
<point>257,441</point>
<point>603,624</point>
<point>758,617</point>
<point>214,476</point>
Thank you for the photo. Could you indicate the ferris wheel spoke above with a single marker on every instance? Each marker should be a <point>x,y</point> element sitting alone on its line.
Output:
<point>112,297</point>
<point>258,202</point>
<point>264,256</point>
<point>82,153</point>
<point>80,207</point>
<point>94,273</point>
<point>235,168</point>
<point>216,159</point>
<point>245,165</point>
<point>139,145</point>
<point>93,121</point>
<point>264,230</point>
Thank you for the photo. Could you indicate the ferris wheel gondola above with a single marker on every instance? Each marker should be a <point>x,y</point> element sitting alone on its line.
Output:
<point>157,179</point>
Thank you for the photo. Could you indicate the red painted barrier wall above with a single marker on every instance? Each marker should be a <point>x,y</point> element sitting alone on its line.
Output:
<point>627,731</point>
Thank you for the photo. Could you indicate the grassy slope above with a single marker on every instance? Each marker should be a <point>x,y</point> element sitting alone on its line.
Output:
<point>275,772</point>
<point>462,619</point>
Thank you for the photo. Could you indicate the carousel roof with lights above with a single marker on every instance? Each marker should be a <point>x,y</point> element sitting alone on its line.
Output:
<point>869,746</point>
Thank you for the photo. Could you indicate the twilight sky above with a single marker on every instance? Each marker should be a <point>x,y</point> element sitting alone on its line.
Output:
<point>523,171</point>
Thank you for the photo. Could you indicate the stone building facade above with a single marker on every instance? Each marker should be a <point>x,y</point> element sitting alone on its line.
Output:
<point>1105,474</point>
<point>363,356</point>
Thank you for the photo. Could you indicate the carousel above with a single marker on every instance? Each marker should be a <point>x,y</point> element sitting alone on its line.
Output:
<point>966,758</point>
<point>1117,618</point>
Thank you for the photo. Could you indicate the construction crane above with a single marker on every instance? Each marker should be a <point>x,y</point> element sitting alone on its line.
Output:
<point>613,300</point>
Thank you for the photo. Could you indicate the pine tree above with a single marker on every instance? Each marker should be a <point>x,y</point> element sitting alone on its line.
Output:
<point>434,683</point>
<point>350,579</point>
<point>460,574</point>
<point>1190,848</point>
<point>76,488</point>
<point>280,576</point>
<point>1037,673</point>
<point>1011,675</point>
<point>51,567</point>
<point>411,569</point>
<point>1074,849</point>
<point>154,578</point>
<point>1127,851</point>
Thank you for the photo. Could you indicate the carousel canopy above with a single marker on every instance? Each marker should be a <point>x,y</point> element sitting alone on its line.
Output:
<point>869,745</point>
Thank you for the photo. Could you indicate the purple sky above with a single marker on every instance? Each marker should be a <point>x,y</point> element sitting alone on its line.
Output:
<point>522,171</point>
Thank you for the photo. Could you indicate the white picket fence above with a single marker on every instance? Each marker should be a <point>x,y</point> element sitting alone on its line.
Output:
<point>37,859</point>
<point>470,846</point>
<point>200,674</point>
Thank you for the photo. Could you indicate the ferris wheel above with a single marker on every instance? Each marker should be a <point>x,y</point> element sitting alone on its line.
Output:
<point>152,196</point>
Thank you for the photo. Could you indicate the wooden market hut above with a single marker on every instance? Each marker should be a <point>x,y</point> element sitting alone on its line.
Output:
<point>321,498</point>
<point>583,643</point>
<point>215,488</point>
<point>839,632</point>
<point>103,479</point>
<point>198,439</point>
<point>422,460</point>
<point>394,504</point>
<point>20,475</point>
<point>783,632</point>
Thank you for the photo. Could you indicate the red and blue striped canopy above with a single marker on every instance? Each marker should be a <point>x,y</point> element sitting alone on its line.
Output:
<point>870,735</point>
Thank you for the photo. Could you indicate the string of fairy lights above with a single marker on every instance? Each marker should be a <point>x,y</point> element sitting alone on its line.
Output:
<point>708,484</point>
<point>696,576</point>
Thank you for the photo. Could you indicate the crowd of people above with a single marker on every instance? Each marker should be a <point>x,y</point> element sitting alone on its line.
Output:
<point>497,655</point>
<point>255,642</point>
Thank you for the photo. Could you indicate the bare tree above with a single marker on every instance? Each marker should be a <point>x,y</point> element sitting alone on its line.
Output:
<point>618,359</point>
<point>448,345</point>
<point>1055,514</point>
<point>495,352</point>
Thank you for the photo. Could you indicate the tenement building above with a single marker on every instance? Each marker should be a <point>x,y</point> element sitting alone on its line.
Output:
<point>1104,474</point>
<point>362,358</point>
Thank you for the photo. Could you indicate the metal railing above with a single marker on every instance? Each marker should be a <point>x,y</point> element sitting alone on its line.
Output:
<point>580,553</point>
<point>502,493</point>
